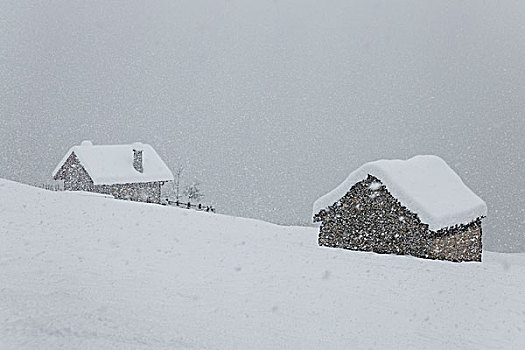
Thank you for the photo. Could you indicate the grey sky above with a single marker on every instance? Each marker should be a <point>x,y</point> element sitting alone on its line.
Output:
<point>273,103</point>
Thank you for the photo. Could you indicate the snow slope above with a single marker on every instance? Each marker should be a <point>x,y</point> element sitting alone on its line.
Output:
<point>82,272</point>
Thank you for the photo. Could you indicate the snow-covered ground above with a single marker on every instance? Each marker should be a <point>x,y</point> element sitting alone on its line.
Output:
<point>85,272</point>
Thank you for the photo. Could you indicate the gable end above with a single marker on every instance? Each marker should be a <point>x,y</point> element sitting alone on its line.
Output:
<point>74,175</point>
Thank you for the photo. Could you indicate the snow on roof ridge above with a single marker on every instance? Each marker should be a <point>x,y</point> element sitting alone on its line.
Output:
<point>137,146</point>
<point>113,164</point>
<point>425,184</point>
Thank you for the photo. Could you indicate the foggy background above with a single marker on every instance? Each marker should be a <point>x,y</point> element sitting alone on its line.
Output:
<point>271,104</point>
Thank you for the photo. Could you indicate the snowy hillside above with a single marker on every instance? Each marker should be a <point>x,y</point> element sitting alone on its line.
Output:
<point>86,272</point>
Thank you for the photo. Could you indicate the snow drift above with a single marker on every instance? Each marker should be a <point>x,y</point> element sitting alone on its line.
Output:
<point>84,272</point>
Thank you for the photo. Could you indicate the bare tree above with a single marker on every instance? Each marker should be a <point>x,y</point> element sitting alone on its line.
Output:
<point>193,192</point>
<point>176,184</point>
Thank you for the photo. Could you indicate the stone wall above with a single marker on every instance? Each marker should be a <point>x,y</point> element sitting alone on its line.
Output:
<point>463,245</point>
<point>74,175</point>
<point>369,218</point>
<point>141,192</point>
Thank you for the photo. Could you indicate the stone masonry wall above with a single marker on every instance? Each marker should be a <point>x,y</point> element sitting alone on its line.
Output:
<point>369,218</point>
<point>141,192</point>
<point>459,245</point>
<point>74,175</point>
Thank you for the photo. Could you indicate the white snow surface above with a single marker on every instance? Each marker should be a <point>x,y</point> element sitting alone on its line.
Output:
<point>424,184</point>
<point>81,272</point>
<point>113,164</point>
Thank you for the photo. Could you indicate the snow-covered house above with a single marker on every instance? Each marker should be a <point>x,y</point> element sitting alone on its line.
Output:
<point>134,172</point>
<point>418,207</point>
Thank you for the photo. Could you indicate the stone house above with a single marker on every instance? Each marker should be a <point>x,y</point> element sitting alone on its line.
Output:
<point>132,172</point>
<point>416,207</point>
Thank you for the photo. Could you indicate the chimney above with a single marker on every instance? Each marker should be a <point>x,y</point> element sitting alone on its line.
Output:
<point>137,157</point>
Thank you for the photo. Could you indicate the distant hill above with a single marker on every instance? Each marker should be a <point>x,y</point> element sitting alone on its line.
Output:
<point>84,272</point>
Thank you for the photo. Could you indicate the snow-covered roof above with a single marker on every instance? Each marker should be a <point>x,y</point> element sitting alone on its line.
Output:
<point>113,164</point>
<point>426,185</point>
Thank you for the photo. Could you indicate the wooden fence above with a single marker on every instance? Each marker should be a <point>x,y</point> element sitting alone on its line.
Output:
<point>188,205</point>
